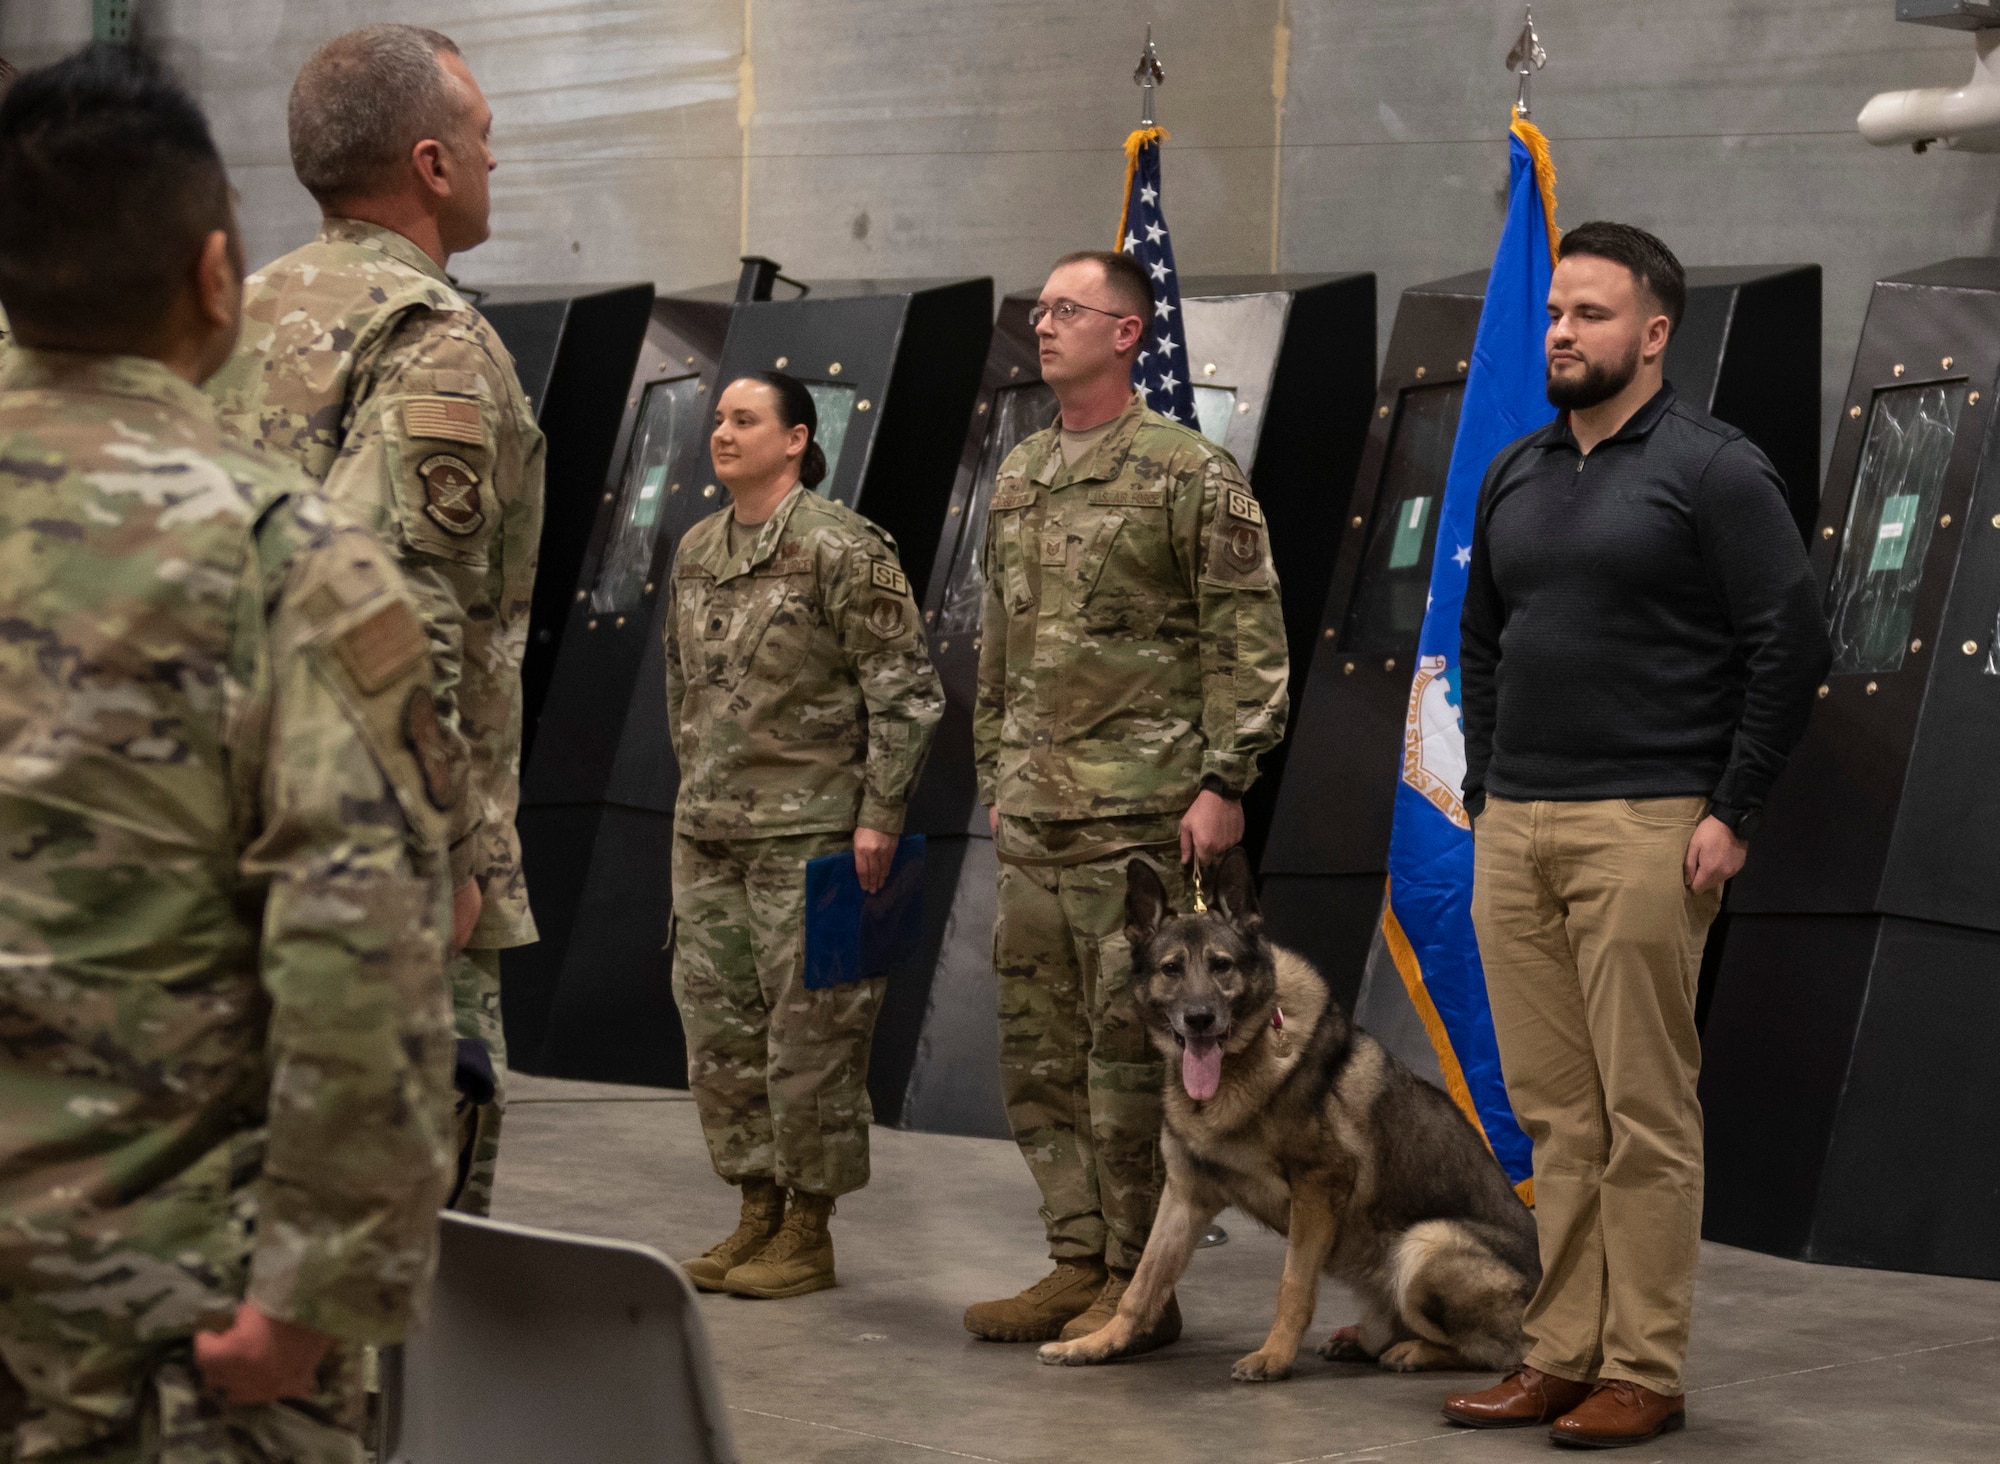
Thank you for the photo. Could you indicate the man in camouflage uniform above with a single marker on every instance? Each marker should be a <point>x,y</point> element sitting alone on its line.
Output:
<point>361,363</point>
<point>1131,670</point>
<point>801,700</point>
<point>225,1035</point>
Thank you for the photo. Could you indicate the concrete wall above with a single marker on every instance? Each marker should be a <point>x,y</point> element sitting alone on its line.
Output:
<point>660,138</point>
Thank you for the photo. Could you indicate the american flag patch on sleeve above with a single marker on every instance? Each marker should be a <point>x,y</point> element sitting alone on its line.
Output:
<point>445,419</point>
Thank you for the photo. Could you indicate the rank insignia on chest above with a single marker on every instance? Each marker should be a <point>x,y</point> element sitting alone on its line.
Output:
<point>1055,548</point>
<point>888,577</point>
<point>451,493</point>
<point>424,735</point>
<point>1243,506</point>
<point>885,617</point>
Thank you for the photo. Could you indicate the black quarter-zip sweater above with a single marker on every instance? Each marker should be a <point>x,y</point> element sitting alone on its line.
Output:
<point>1640,622</point>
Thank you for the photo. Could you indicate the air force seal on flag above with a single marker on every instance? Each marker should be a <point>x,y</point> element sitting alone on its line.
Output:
<point>1434,741</point>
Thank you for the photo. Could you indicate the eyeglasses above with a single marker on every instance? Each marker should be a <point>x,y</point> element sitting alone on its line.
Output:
<point>1065,311</point>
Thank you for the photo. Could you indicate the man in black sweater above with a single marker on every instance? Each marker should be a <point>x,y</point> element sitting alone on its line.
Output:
<point>1641,644</point>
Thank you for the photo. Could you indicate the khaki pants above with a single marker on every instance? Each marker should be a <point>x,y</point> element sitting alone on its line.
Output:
<point>1592,945</point>
<point>779,1073</point>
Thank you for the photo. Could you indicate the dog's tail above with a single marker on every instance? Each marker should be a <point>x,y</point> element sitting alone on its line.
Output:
<point>1454,1289</point>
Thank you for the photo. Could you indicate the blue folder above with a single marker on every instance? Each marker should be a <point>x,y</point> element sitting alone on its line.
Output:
<point>851,936</point>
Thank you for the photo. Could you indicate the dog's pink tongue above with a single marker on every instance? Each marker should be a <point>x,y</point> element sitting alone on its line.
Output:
<point>1201,1068</point>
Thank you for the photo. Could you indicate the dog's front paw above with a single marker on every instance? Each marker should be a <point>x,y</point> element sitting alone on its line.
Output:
<point>1099,1346</point>
<point>1414,1355</point>
<point>1345,1346</point>
<point>1261,1366</point>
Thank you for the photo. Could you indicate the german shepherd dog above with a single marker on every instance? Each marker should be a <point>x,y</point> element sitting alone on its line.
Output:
<point>1279,1105</point>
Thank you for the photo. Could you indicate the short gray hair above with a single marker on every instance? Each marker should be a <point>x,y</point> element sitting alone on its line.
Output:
<point>363,101</point>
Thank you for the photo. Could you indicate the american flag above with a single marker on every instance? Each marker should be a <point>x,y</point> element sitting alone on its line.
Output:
<point>1161,371</point>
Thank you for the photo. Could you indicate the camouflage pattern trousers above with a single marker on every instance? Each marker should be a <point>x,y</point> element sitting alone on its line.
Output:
<point>1081,1080</point>
<point>779,1073</point>
<point>475,1009</point>
<point>152,1409</point>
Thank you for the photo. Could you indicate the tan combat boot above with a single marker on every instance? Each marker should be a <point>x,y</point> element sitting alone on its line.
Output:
<point>1105,1307</point>
<point>763,1213</point>
<point>798,1259</point>
<point>1038,1313</point>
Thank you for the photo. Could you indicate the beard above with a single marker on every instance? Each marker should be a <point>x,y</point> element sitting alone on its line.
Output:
<point>1600,382</point>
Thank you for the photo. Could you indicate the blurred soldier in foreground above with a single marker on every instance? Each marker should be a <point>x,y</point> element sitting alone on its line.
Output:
<point>7,75</point>
<point>1131,671</point>
<point>361,364</point>
<point>225,1035</point>
<point>801,700</point>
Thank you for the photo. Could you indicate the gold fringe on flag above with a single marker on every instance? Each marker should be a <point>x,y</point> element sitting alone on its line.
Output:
<point>1545,175</point>
<point>1139,138</point>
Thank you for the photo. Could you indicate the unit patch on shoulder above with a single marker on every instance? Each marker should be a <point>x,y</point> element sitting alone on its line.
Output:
<point>425,736</point>
<point>381,648</point>
<point>888,577</point>
<point>885,617</point>
<point>1246,545</point>
<point>448,419</point>
<point>1243,506</point>
<point>451,494</point>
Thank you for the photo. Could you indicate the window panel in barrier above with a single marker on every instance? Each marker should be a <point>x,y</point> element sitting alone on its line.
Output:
<point>1018,413</point>
<point>669,446</point>
<point>1394,585</point>
<point>1911,433</point>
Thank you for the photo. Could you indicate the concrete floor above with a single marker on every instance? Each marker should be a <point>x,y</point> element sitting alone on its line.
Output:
<point>1790,1362</point>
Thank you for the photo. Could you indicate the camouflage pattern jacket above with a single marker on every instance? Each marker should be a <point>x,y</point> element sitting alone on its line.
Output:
<point>1132,645</point>
<point>225,1036</point>
<point>360,363</point>
<point>800,694</point>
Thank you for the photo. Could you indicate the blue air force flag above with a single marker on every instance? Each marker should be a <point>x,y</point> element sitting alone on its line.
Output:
<point>1428,923</point>
<point>1161,370</point>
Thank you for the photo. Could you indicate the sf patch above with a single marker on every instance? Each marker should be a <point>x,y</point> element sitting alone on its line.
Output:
<point>888,577</point>
<point>451,494</point>
<point>1243,506</point>
<point>425,736</point>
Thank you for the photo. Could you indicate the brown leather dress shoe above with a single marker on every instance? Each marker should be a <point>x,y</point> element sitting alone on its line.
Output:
<point>1525,1397</point>
<point>1618,1414</point>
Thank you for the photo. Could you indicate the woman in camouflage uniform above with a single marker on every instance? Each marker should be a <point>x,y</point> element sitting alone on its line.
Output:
<point>801,700</point>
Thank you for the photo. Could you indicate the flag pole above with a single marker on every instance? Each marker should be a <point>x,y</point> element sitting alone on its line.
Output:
<point>1150,74</point>
<point>1525,60</point>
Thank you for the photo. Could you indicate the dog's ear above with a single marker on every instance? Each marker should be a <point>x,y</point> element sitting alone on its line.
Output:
<point>1146,908</point>
<point>1235,888</point>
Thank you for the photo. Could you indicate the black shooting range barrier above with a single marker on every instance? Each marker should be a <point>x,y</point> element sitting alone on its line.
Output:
<point>1849,1079</point>
<point>573,348</point>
